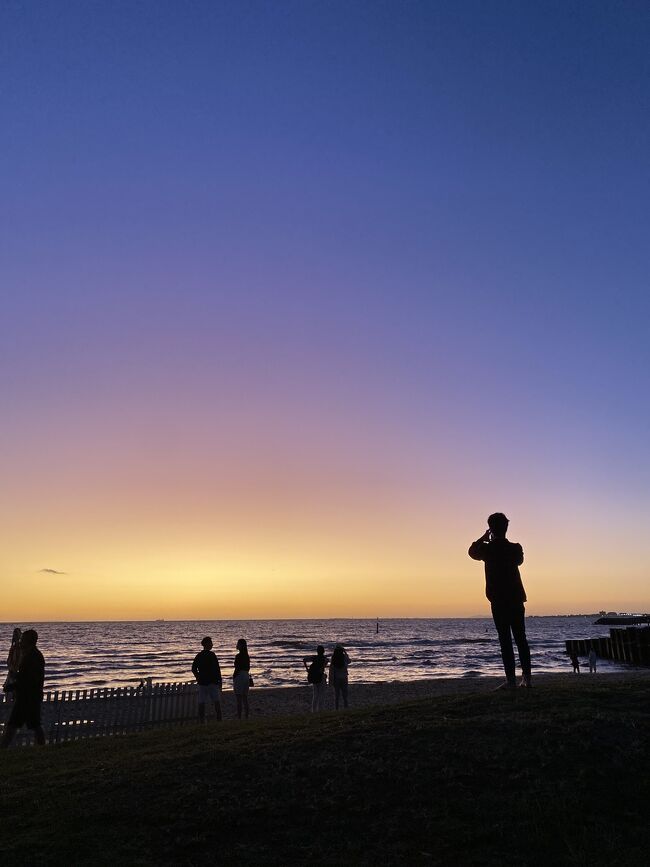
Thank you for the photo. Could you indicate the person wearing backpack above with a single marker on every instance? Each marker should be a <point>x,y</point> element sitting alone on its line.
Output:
<point>316,666</point>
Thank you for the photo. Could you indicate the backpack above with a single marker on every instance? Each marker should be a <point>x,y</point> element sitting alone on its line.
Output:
<point>315,672</point>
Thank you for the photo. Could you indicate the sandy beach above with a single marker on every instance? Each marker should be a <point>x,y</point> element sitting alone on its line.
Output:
<point>288,701</point>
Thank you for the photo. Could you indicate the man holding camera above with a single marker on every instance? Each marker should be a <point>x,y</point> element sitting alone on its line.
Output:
<point>505,590</point>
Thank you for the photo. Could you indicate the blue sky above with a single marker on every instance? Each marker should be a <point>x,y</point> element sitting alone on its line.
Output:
<point>410,238</point>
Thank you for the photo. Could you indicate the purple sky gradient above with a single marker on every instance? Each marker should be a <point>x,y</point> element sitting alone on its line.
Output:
<point>403,244</point>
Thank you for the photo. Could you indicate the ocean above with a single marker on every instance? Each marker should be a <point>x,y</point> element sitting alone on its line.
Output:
<point>84,655</point>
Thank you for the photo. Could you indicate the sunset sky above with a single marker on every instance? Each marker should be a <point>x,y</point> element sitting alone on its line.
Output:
<point>295,294</point>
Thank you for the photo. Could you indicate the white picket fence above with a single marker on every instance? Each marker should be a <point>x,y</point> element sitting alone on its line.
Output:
<point>87,713</point>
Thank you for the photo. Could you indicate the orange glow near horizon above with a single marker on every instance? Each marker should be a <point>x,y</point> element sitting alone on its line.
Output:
<point>309,547</point>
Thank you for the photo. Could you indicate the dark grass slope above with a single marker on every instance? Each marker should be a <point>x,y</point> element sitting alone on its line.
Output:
<point>558,775</point>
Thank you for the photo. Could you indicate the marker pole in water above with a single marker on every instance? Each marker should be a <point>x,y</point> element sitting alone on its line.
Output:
<point>377,630</point>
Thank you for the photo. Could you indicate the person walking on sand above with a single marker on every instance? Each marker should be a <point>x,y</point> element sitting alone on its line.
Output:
<point>575,662</point>
<point>505,591</point>
<point>241,678</point>
<point>315,666</point>
<point>28,688</point>
<point>339,675</point>
<point>207,672</point>
<point>592,661</point>
<point>13,663</point>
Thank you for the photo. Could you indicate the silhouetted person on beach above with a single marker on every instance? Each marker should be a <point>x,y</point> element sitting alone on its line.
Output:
<point>575,662</point>
<point>13,663</point>
<point>593,658</point>
<point>339,675</point>
<point>28,689</point>
<point>241,678</point>
<point>504,589</point>
<point>207,672</point>
<point>315,666</point>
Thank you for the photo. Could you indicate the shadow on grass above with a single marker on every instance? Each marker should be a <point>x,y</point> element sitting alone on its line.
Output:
<point>556,775</point>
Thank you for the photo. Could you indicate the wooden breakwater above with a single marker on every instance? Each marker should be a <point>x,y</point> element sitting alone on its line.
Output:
<point>69,715</point>
<point>631,645</point>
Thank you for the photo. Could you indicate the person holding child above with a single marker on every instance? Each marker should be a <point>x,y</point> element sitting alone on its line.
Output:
<point>28,689</point>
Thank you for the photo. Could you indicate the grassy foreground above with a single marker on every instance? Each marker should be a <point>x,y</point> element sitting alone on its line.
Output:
<point>557,775</point>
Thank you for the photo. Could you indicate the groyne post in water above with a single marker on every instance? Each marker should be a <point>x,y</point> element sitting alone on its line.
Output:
<point>630,645</point>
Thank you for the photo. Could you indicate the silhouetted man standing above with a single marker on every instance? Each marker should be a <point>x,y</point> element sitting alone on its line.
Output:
<point>207,671</point>
<point>28,687</point>
<point>504,589</point>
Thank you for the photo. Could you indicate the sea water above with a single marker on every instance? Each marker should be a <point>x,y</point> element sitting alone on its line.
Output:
<point>84,655</point>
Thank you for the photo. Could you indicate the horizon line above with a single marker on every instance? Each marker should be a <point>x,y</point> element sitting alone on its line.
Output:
<point>296,619</point>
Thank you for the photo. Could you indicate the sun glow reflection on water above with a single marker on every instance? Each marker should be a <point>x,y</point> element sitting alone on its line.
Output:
<point>83,655</point>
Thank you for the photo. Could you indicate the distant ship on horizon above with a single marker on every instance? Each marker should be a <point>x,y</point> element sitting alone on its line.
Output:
<point>615,618</point>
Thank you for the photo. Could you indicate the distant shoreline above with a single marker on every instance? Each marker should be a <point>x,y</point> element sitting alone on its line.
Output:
<point>486,616</point>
